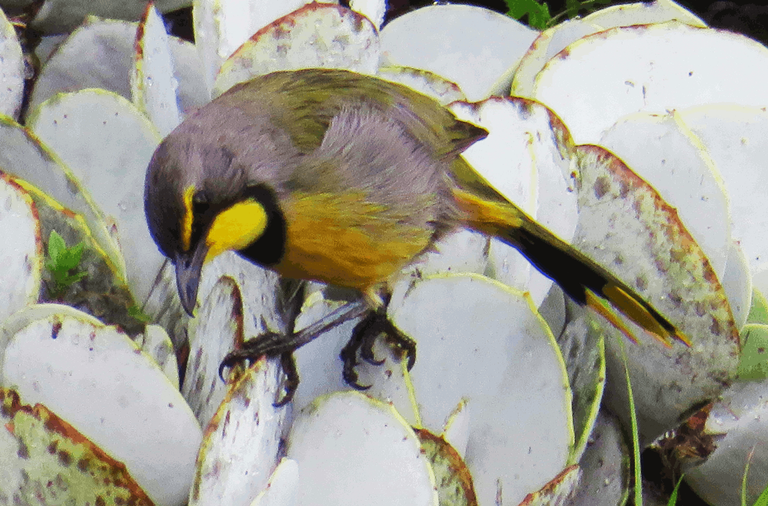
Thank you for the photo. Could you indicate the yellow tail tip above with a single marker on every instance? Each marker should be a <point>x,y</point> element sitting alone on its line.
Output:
<point>683,338</point>
<point>635,312</point>
<point>594,302</point>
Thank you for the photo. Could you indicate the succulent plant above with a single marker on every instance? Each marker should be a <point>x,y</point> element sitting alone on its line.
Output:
<point>635,133</point>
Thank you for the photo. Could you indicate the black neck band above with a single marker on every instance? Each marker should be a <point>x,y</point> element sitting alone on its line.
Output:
<point>268,249</point>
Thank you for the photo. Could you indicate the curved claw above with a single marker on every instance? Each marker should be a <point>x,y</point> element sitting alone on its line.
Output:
<point>251,350</point>
<point>410,353</point>
<point>291,379</point>
<point>348,355</point>
<point>223,365</point>
<point>231,359</point>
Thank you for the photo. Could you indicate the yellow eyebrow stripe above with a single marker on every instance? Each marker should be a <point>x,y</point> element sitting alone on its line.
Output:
<point>187,219</point>
<point>236,227</point>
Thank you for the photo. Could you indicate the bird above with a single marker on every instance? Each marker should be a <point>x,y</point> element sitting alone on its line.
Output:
<point>344,178</point>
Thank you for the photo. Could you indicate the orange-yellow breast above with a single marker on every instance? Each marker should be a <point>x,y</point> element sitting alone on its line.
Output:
<point>346,241</point>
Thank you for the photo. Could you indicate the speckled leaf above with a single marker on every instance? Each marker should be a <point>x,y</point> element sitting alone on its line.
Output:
<point>99,54</point>
<point>153,85</point>
<point>553,40</point>
<point>34,312</point>
<point>108,143</point>
<point>386,467</point>
<point>454,483</point>
<point>24,156</point>
<point>734,137</point>
<point>643,13</point>
<point>650,68</point>
<point>96,55</point>
<point>661,150</point>
<point>238,301</point>
<point>21,253</point>
<point>98,380</point>
<point>475,339</point>
<point>583,347</point>
<point>317,35</point>
<point>221,26</point>
<point>424,81</point>
<point>44,460</point>
<point>375,10</point>
<point>473,47</point>
<point>604,466</point>
<point>11,69</point>
<point>242,443</point>
<point>64,15</point>
<point>216,330</point>
<point>556,492</point>
<point>546,45</point>
<point>625,226</point>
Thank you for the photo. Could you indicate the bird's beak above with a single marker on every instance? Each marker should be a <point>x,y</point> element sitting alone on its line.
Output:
<point>188,269</point>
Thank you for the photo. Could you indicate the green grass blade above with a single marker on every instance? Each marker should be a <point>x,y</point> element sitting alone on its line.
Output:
<point>673,498</point>
<point>635,437</point>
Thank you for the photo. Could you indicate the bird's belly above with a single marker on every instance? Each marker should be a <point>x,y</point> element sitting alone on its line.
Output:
<point>356,247</point>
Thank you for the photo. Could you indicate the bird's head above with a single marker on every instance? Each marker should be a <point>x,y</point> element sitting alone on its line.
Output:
<point>199,203</point>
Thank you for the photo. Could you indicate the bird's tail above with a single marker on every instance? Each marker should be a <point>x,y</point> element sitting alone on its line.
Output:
<point>580,277</point>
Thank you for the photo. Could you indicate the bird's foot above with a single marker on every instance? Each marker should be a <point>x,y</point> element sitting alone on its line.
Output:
<point>270,344</point>
<point>363,338</point>
<point>273,344</point>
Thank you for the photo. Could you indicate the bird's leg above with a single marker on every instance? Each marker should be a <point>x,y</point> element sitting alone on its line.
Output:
<point>273,344</point>
<point>363,338</point>
<point>291,378</point>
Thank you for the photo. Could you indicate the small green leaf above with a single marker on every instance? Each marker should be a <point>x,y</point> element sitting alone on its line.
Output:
<point>61,261</point>
<point>538,14</point>
<point>753,361</point>
<point>136,312</point>
<point>56,245</point>
<point>70,258</point>
<point>572,8</point>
